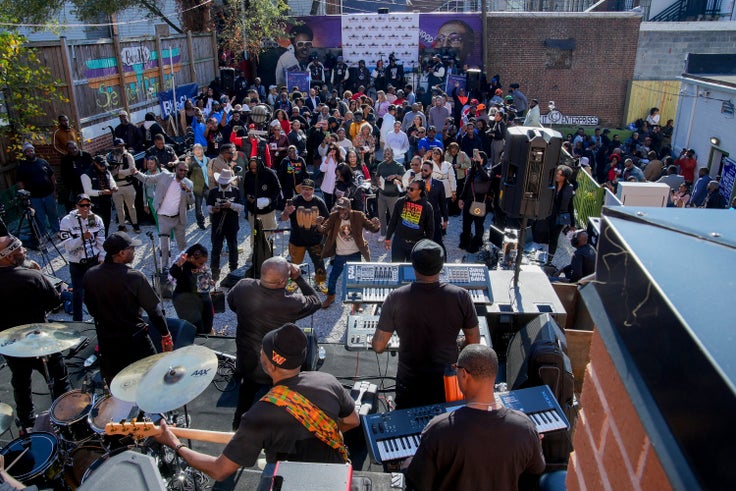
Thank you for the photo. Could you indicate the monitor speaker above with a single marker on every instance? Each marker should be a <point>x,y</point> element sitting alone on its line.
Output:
<point>529,163</point>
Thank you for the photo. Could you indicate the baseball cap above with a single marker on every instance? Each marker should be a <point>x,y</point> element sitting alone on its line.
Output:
<point>343,203</point>
<point>308,183</point>
<point>119,241</point>
<point>427,257</point>
<point>82,197</point>
<point>286,347</point>
<point>99,159</point>
<point>118,141</point>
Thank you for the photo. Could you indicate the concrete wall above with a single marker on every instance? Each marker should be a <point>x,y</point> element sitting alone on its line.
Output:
<point>599,68</point>
<point>663,46</point>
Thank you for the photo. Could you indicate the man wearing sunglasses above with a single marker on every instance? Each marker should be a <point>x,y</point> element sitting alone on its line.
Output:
<point>296,57</point>
<point>83,233</point>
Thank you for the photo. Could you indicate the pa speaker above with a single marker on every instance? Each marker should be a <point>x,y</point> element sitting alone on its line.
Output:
<point>227,79</point>
<point>472,81</point>
<point>529,162</point>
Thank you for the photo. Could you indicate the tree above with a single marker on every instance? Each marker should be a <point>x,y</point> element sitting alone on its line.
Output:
<point>249,24</point>
<point>27,88</point>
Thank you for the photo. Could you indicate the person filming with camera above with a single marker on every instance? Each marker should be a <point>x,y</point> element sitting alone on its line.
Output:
<point>224,204</point>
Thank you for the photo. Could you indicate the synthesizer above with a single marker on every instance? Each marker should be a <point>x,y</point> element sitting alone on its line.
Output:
<point>396,434</point>
<point>372,282</point>
<point>362,327</point>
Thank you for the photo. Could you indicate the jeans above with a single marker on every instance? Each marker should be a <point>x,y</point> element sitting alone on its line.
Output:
<point>198,199</point>
<point>338,264</point>
<point>385,204</point>
<point>46,209</point>
<point>77,271</point>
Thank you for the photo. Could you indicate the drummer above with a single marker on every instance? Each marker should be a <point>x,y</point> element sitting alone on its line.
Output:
<point>277,423</point>
<point>8,482</point>
<point>25,297</point>
<point>115,295</point>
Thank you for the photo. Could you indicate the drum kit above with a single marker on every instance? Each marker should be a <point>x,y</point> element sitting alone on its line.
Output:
<point>81,441</point>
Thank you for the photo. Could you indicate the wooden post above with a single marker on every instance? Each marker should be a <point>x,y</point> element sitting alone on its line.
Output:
<point>217,57</point>
<point>121,72</point>
<point>190,47</point>
<point>68,76</point>
<point>161,61</point>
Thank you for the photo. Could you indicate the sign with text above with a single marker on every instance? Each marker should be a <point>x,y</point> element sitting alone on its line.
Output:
<point>297,79</point>
<point>556,117</point>
<point>728,177</point>
<point>166,98</point>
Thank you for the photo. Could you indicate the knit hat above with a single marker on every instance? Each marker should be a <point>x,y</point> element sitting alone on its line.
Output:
<point>427,257</point>
<point>286,347</point>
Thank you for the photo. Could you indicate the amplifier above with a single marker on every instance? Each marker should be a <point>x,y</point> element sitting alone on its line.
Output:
<point>396,434</point>
<point>372,282</point>
<point>362,327</point>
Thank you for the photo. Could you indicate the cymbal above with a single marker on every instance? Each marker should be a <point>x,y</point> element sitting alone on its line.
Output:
<point>6,417</point>
<point>32,340</point>
<point>124,385</point>
<point>176,379</point>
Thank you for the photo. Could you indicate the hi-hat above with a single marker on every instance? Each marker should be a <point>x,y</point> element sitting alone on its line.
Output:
<point>6,417</point>
<point>176,379</point>
<point>32,340</point>
<point>124,385</point>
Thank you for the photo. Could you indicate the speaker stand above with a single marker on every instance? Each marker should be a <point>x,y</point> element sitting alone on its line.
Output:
<point>520,250</point>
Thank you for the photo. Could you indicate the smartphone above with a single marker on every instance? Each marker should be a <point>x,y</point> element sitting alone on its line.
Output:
<point>475,152</point>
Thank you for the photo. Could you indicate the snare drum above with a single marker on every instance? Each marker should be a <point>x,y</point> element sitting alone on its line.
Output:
<point>38,459</point>
<point>68,414</point>
<point>111,410</point>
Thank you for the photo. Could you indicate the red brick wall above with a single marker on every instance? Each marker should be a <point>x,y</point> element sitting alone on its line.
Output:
<point>612,450</point>
<point>602,63</point>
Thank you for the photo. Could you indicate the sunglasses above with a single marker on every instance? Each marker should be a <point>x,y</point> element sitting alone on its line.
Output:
<point>304,44</point>
<point>84,205</point>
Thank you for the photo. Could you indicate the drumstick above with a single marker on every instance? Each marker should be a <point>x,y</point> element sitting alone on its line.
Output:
<point>8,467</point>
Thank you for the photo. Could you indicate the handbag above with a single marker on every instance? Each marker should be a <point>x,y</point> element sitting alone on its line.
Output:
<point>564,219</point>
<point>477,208</point>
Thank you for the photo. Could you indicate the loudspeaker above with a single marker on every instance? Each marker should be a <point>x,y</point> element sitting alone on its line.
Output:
<point>227,80</point>
<point>472,81</point>
<point>529,163</point>
<point>128,470</point>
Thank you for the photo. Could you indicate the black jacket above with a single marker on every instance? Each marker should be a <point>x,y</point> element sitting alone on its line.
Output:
<point>263,184</point>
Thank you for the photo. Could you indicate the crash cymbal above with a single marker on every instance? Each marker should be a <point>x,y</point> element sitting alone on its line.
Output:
<point>32,340</point>
<point>124,385</point>
<point>6,417</point>
<point>176,379</point>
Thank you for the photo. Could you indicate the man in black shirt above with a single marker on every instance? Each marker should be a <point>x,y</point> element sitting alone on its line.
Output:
<point>115,295</point>
<point>427,316</point>
<point>455,451</point>
<point>25,297</point>
<point>224,205</point>
<point>302,211</point>
<point>164,153</point>
<point>583,259</point>
<point>130,133</point>
<point>75,163</point>
<point>36,176</point>
<point>436,197</point>
<point>262,306</point>
<point>269,424</point>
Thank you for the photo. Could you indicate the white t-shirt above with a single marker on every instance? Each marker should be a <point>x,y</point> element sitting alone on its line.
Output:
<point>170,205</point>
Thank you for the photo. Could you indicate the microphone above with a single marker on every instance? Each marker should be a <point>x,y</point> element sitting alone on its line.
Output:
<point>80,347</point>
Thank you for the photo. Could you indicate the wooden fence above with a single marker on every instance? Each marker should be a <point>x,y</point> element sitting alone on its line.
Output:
<point>103,76</point>
<point>646,94</point>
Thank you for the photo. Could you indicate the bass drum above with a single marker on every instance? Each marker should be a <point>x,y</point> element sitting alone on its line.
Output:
<point>68,415</point>
<point>38,460</point>
<point>81,459</point>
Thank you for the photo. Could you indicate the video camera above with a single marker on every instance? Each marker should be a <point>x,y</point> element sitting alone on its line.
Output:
<point>23,198</point>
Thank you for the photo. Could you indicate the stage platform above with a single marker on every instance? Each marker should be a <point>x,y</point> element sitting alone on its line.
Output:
<point>213,409</point>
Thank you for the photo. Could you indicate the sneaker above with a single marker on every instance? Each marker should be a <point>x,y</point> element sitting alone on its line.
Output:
<point>291,286</point>
<point>322,288</point>
<point>136,229</point>
<point>201,226</point>
<point>122,228</point>
<point>328,301</point>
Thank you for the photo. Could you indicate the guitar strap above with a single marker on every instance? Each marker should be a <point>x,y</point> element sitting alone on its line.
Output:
<point>310,416</point>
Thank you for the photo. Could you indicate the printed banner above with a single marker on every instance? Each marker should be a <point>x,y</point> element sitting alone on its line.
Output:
<point>451,79</point>
<point>728,176</point>
<point>374,37</point>
<point>297,79</point>
<point>166,98</point>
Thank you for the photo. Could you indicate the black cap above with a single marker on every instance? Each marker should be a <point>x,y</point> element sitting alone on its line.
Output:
<point>286,347</point>
<point>99,159</point>
<point>427,257</point>
<point>119,241</point>
<point>118,141</point>
<point>308,183</point>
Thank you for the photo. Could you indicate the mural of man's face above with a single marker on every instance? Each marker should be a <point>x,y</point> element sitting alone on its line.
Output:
<point>302,46</point>
<point>457,36</point>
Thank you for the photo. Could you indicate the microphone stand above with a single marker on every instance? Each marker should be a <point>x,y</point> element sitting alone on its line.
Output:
<point>84,241</point>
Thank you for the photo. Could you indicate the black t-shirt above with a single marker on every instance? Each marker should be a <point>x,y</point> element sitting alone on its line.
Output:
<point>25,296</point>
<point>36,177</point>
<point>303,227</point>
<point>471,449</point>
<point>272,428</point>
<point>427,318</point>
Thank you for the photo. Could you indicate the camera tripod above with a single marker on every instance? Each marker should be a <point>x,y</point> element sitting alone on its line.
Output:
<point>38,239</point>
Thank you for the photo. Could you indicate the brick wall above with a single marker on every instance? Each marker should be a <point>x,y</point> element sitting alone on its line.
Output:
<point>664,46</point>
<point>600,66</point>
<point>612,450</point>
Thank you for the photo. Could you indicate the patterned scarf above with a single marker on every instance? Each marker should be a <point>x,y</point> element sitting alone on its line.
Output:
<point>310,416</point>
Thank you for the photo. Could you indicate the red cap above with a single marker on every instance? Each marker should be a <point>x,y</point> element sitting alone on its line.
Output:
<point>474,102</point>
<point>251,126</point>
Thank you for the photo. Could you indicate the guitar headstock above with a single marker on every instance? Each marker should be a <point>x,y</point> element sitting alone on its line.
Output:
<point>136,429</point>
